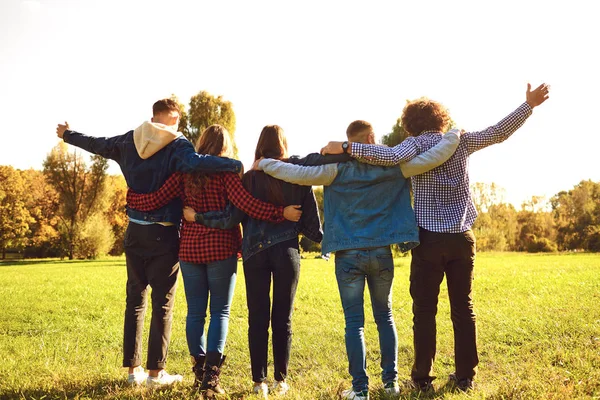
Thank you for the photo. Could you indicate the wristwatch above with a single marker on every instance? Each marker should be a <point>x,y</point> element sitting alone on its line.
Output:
<point>345,147</point>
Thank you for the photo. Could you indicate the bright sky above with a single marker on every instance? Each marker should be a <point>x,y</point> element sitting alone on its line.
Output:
<point>311,67</point>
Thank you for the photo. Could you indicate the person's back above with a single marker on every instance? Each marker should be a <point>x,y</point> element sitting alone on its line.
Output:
<point>258,234</point>
<point>368,206</point>
<point>147,156</point>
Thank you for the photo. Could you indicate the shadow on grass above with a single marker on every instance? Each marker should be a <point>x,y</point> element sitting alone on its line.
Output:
<point>103,389</point>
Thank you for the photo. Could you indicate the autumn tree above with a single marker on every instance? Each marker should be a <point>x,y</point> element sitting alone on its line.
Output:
<point>81,191</point>
<point>115,212</point>
<point>14,216</point>
<point>43,203</point>
<point>205,110</point>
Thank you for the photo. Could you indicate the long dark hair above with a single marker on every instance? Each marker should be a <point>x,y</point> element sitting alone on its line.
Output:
<point>215,141</point>
<point>272,143</point>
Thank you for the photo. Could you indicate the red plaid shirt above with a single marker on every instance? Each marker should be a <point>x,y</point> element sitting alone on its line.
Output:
<point>199,244</point>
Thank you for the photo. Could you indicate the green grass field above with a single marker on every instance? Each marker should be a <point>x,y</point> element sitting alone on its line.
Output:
<point>538,318</point>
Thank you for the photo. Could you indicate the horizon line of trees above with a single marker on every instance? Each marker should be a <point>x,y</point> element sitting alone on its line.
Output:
<point>75,210</point>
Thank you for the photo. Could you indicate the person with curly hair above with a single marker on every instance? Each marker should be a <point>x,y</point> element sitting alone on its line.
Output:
<point>445,214</point>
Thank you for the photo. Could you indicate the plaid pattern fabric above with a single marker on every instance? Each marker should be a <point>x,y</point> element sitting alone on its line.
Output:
<point>442,196</point>
<point>199,244</point>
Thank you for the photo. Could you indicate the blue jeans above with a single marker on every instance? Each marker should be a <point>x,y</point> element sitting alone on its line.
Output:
<point>376,267</point>
<point>216,279</point>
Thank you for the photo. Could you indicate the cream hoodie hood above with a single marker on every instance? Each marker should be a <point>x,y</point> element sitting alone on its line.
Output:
<point>150,137</point>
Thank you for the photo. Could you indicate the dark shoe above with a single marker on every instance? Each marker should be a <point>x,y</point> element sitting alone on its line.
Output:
<point>198,369</point>
<point>422,386</point>
<point>210,382</point>
<point>462,384</point>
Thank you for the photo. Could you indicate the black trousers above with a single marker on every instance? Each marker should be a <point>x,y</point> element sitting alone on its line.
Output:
<point>151,253</point>
<point>282,261</point>
<point>453,255</point>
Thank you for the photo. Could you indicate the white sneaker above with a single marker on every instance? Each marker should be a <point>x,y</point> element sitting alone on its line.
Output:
<point>280,387</point>
<point>137,378</point>
<point>262,390</point>
<point>163,379</point>
<point>392,388</point>
<point>350,394</point>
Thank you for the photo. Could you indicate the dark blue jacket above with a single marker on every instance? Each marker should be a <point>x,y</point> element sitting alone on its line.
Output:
<point>148,175</point>
<point>260,235</point>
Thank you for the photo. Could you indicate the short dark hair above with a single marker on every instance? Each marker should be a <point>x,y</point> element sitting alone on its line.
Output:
<point>164,105</point>
<point>357,127</point>
<point>422,115</point>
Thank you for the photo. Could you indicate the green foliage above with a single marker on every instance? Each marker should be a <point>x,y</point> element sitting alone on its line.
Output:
<point>14,215</point>
<point>81,191</point>
<point>115,212</point>
<point>96,237</point>
<point>577,216</point>
<point>204,111</point>
<point>63,335</point>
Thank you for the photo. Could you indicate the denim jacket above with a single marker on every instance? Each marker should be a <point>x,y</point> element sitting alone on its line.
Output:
<point>366,205</point>
<point>145,175</point>
<point>260,235</point>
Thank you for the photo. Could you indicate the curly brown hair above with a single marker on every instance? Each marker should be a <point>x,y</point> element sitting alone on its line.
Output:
<point>215,141</point>
<point>422,115</point>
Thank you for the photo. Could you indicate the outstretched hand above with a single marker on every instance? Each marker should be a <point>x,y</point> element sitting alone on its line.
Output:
<point>538,95</point>
<point>292,213</point>
<point>60,129</point>
<point>189,214</point>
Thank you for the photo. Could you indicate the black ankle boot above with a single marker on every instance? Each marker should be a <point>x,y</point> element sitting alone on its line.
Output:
<point>210,382</point>
<point>198,369</point>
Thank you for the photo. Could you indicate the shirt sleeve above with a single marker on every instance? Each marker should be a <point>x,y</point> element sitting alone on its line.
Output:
<point>387,156</point>
<point>171,189</point>
<point>433,157</point>
<point>243,200</point>
<point>499,132</point>
<point>300,175</point>
<point>103,146</point>
<point>185,159</point>
<point>310,221</point>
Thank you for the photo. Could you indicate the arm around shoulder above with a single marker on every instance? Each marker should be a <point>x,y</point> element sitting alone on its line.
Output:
<point>187,160</point>
<point>433,157</point>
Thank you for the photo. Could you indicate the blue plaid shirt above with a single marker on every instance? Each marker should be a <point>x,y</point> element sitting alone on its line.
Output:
<point>442,196</point>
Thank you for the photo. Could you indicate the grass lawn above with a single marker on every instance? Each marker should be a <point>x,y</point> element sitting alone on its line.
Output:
<point>538,318</point>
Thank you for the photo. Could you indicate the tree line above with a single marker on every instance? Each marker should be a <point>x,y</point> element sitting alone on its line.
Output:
<point>74,209</point>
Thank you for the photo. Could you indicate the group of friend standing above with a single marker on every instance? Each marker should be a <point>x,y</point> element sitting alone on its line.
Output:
<point>185,205</point>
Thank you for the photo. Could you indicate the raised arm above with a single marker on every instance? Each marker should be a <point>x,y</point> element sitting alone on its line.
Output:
<point>243,200</point>
<point>508,125</point>
<point>187,160</point>
<point>307,176</point>
<point>172,188</point>
<point>433,157</point>
<point>102,146</point>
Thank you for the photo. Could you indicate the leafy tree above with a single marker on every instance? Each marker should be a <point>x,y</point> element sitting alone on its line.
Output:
<point>115,213</point>
<point>205,110</point>
<point>537,228</point>
<point>396,136</point>
<point>577,216</point>
<point>43,203</point>
<point>14,215</point>
<point>81,191</point>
